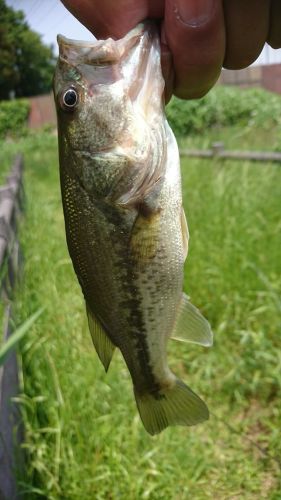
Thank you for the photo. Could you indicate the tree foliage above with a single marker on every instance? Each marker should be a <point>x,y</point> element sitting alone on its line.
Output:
<point>13,117</point>
<point>26,64</point>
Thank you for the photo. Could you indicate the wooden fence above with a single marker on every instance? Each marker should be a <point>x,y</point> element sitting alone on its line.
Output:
<point>11,207</point>
<point>217,151</point>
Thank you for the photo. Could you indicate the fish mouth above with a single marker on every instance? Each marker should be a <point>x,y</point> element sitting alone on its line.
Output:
<point>63,40</point>
<point>110,57</point>
<point>107,51</point>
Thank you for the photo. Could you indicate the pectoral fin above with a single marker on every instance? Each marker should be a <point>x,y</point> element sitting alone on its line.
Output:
<point>145,238</point>
<point>101,341</point>
<point>191,326</point>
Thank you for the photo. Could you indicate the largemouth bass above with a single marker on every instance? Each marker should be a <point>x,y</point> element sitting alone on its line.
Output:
<point>125,225</point>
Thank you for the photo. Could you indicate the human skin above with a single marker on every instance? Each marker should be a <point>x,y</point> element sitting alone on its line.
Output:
<point>198,37</point>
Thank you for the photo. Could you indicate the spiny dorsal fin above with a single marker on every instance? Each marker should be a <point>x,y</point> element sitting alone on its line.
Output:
<point>191,326</point>
<point>101,341</point>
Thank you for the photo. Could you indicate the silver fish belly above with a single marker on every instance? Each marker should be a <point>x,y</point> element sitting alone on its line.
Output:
<point>125,226</point>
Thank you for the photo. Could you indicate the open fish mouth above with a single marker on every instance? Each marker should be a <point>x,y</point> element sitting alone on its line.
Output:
<point>107,51</point>
<point>105,62</point>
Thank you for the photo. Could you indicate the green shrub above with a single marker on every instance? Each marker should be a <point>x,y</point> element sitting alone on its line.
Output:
<point>13,117</point>
<point>225,106</point>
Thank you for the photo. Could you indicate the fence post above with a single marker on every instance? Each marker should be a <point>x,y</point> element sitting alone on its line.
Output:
<point>10,421</point>
<point>11,204</point>
<point>217,148</point>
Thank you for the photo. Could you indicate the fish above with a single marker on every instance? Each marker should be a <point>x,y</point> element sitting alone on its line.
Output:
<point>125,224</point>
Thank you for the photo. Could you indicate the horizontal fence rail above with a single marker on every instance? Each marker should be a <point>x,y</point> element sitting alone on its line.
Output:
<point>11,208</point>
<point>217,151</point>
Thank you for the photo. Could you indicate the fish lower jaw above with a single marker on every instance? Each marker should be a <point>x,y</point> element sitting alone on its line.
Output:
<point>109,147</point>
<point>95,152</point>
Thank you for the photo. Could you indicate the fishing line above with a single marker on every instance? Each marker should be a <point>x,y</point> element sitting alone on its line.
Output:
<point>47,14</point>
<point>262,450</point>
<point>33,9</point>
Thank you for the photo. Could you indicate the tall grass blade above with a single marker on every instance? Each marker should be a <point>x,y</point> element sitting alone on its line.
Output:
<point>18,335</point>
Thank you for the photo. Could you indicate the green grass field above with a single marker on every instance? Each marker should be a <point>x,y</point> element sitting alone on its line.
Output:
<point>84,439</point>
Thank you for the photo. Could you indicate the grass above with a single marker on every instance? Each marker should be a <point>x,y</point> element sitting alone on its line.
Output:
<point>237,138</point>
<point>83,436</point>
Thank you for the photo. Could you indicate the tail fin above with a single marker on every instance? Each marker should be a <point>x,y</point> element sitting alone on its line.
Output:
<point>176,405</point>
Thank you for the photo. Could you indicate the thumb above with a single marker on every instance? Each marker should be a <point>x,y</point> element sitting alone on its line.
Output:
<point>194,31</point>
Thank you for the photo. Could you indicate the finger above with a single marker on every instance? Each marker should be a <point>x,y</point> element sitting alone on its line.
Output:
<point>107,18</point>
<point>194,30</point>
<point>167,66</point>
<point>246,25</point>
<point>113,18</point>
<point>274,35</point>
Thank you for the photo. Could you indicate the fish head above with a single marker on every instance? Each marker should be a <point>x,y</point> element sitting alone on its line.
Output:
<point>91,96</point>
<point>102,87</point>
<point>108,100</point>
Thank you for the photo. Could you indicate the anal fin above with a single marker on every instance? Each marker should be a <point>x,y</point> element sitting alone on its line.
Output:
<point>191,326</point>
<point>101,341</point>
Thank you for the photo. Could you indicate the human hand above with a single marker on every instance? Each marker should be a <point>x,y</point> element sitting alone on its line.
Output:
<point>198,37</point>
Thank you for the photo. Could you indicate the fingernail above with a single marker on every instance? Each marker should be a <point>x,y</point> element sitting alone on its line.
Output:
<point>194,12</point>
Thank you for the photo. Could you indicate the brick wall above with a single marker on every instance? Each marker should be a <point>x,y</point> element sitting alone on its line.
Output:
<point>271,77</point>
<point>267,76</point>
<point>248,77</point>
<point>42,111</point>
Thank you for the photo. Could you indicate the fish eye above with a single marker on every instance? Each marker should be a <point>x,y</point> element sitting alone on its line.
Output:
<point>70,98</point>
